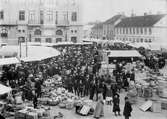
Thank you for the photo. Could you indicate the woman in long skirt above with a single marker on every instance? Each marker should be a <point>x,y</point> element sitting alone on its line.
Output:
<point>99,112</point>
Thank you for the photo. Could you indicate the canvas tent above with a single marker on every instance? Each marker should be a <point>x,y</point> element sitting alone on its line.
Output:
<point>124,53</point>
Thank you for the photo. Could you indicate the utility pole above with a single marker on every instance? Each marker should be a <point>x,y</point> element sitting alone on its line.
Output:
<point>26,48</point>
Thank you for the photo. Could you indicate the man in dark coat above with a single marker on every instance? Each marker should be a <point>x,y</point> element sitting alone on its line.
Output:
<point>127,108</point>
<point>116,107</point>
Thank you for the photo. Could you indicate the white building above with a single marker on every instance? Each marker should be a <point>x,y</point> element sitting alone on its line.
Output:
<point>40,21</point>
<point>147,28</point>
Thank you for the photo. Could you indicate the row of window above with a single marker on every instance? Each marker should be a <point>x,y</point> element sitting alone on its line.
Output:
<point>49,40</point>
<point>73,31</point>
<point>141,40</point>
<point>145,31</point>
<point>111,32</point>
<point>49,16</point>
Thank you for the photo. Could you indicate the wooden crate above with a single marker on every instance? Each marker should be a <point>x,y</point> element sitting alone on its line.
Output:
<point>156,106</point>
<point>164,104</point>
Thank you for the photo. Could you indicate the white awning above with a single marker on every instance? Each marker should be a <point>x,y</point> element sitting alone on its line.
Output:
<point>7,61</point>
<point>4,89</point>
<point>124,53</point>
<point>34,53</point>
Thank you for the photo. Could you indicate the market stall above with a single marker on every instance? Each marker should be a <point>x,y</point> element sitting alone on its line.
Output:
<point>8,61</point>
<point>125,55</point>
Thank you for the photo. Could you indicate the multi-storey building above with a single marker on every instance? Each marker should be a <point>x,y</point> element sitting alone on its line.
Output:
<point>109,25</point>
<point>40,21</point>
<point>147,28</point>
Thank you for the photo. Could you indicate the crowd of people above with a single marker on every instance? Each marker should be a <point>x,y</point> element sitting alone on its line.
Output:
<point>78,66</point>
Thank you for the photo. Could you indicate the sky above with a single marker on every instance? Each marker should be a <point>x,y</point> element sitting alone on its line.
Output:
<point>102,10</point>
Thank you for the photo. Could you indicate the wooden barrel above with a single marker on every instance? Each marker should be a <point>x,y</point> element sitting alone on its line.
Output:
<point>147,92</point>
<point>162,92</point>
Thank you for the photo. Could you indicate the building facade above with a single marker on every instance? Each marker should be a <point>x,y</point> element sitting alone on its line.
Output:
<point>140,29</point>
<point>109,25</point>
<point>40,21</point>
<point>97,31</point>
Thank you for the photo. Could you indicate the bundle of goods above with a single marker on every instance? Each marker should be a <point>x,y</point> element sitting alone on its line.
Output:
<point>60,97</point>
<point>43,101</point>
<point>55,80</point>
<point>31,113</point>
<point>84,107</point>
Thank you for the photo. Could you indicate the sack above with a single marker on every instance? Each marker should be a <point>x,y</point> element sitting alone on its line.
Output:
<point>62,105</point>
<point>85,110</point>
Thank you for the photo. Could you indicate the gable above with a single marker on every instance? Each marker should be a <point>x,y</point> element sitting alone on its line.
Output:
<point>162,22</point>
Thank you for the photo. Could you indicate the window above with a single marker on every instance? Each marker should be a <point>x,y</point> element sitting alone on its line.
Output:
<point>41,17</point>
<point>150,41</point>
<point>133,30</point>
<point>126,30</point>
<point>146,40</point>
<point>1,15</point>
<point>50,16</point>
<point>4,33</point>
<point>74,16</point>
<point>56,21</point>
<point>123,30</point>
<point>48,40</point>
<point>130,30</point>
<point>150,31</point>
<point>37,32</point>
<point>75,31</point>
<point>133,39</point>
<point>58,40</point>
<point>59,32</point>
<point>137,30</point>
<point>137,40</point>
<point>32,15</point>
<point>22,15</point>
<point>71,31</point>
<point>141,30</point>
<point>145,30</point>
<point>74,39</point>
<point>37,39</point>
<point>141,40</point>
<point>23,31</point>
<point>21,39</point>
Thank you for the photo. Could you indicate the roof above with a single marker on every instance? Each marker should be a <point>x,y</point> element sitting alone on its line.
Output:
<point>140,21</point>
<point>124,53</point>
<point>113,19</point>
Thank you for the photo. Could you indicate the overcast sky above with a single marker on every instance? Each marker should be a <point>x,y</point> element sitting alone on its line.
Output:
<point>103,9</point>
